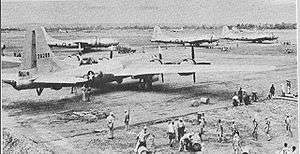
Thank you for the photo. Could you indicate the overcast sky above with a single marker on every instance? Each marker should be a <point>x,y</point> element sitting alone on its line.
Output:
<point>147,11</point>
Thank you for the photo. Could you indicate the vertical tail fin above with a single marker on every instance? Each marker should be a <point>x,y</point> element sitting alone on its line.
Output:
<point>225,31</point>
<point>37,53</point>
<point>49,39</point>
<point>157,32</point>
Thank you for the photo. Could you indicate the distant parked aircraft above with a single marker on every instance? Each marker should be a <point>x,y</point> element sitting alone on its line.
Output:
<point>244,35</point>
<point>159,37</point>
<point>9,61</point>
<point>80,43</point>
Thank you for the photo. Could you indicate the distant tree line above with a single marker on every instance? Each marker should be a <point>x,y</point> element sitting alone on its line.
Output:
<point>282,25</point>
<point>86,27</point>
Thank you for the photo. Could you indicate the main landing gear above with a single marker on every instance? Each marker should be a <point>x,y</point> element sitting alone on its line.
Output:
<point>39,91</point>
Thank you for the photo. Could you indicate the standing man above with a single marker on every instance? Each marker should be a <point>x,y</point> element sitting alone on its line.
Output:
<point>272,91</point>
<point>84,90</point>
<point>285,149</point>
<point>283,89</point>
<point>289,86</point>
<point>171,133</point>
<point>201,125</point>
<point>247,99</point>
<point>110,124</point>
<point>181,128</point>
<point>240,95</point>
<point>255,127</point>
<point>234,128</point>
<point>235,99</point>
<point>288,125</point>
<point>267,129</point>
<point>236,143</point>
<point>141,139</point>
<point>220,131</point>
<point>126,120</point>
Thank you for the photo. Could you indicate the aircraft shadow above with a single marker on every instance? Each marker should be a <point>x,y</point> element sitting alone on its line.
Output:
<point>75,103</point>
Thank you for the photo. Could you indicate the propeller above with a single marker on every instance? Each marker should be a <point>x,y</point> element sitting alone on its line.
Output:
<point>193,52</point>
<point>162,78</point>
<point>194,77</point>
<point>111,54</point>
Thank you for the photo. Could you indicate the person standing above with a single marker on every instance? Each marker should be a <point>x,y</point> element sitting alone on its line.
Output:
<point>84,90</point>
<point>294,150</point>
<point>283,90</point>
<point>285,149</point>
<point>220,130</point>
<point>171,133</point>
<point>235,100</point>
<point>110,124</point>
<point>272,91</point>
<point>240,95</point>
<point>255,127</point>
<point>181,128</point>
<point>267,129</point>
<point>126,119</point>
<point>234,128</point>
<point>247,99</point>
<point>141,139</point>
<point>201,126</point>
<point>289,86</point>
<point>236,143</point>
<point>288,125</point>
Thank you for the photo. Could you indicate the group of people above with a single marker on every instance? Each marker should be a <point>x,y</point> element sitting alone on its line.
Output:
<point>267,128</point>
<point>286,150</point>
<point>242,97</point>
<point>111,120</point>
<point>285,89</point>
<point>176,130</point>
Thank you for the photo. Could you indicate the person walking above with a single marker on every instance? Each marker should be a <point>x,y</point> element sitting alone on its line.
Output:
<point>126,119</point>
<point>288,125</point>
<point>255,127</point>
<point>267,129</point>
<point>272,91</point>
<point>240,95</point>
<point>220,130</point>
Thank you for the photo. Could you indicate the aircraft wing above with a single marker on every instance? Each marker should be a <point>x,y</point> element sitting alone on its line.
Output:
<point>188,68</point>
<point>54,79</point>
<point>9,59</point>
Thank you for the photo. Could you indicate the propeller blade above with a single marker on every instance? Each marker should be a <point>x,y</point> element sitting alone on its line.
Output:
<point>193,53</point>
<point>194,77</point>
<point>162,78</point>
<point>111,54</point>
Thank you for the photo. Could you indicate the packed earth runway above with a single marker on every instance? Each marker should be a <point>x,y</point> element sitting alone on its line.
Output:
<point>47,123</point>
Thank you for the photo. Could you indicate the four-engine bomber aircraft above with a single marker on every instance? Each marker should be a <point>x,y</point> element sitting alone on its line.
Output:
<point>41,69</point>
<point>249,36</point>
<point>9,61</point>
<point>80,43</point>
<point>159,37</point>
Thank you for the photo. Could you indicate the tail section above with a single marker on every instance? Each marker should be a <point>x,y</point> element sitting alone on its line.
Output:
<point>37,53</point>
<point>225,30</point>
<point>157,32</point>
<point>49,39</point>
